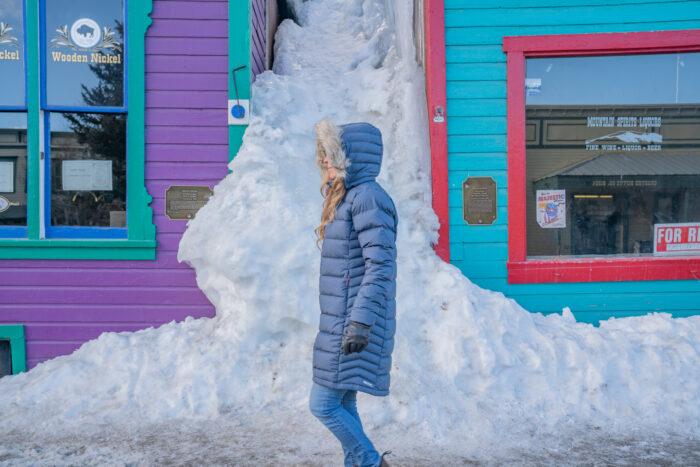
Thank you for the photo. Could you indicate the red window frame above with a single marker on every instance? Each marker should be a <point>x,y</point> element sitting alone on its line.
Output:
<point>520,269</point>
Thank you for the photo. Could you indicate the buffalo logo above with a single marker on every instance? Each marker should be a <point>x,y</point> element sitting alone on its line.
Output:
<point>85,33</point>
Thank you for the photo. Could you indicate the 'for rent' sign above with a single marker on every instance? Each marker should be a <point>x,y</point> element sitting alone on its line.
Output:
<point>673,239</point>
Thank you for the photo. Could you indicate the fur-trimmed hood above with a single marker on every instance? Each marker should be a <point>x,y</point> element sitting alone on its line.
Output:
<point>355,149</point>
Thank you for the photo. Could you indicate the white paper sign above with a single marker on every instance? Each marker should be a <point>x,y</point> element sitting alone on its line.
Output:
<point>551,209</point>
<point>7,176</point>
<point>87,175</point>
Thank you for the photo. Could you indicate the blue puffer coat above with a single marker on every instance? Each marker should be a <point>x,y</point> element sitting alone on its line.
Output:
<point>358,271</point>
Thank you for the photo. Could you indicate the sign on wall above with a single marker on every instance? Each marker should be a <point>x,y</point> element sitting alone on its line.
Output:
<point>183,202</point>
<point>479,200</point>
<point>677,239</point>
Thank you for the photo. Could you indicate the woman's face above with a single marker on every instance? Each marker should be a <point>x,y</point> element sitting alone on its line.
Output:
<point>329,167</point>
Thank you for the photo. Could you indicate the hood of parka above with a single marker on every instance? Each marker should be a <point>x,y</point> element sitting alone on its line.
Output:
<point>355,150</point>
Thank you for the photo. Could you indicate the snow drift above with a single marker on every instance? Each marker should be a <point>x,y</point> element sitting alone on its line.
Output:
<point>470,365</point>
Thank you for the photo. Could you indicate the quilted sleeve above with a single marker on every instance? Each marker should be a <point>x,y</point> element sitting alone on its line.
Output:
<point>374,219</point>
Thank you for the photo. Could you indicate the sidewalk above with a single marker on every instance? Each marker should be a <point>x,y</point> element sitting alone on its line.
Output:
<point>226,442</point>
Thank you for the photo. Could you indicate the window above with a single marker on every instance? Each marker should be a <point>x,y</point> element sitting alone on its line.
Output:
<point>13,357</point>
<point>71,130</point>
<point>13,122</point>
<point>604,157</point>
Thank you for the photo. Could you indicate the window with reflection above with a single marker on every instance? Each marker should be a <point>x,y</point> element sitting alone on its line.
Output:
<point>13,121</point>
<point>84,53</point>
<point>12,59</point>
<point>88,169</point>
<point>613,155</point>
<point>86,113</point>
<point>13,169</point>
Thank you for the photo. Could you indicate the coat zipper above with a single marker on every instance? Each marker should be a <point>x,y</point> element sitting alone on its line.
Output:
<point>347,278</point>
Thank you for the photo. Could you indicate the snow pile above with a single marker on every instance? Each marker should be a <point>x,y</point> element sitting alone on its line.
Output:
<point>470,366</point>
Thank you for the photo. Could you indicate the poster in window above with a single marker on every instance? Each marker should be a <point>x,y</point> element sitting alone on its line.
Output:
<point>86,175</point>
<point>677,239</point>
<point>7,176</point>
<point>551,209</point>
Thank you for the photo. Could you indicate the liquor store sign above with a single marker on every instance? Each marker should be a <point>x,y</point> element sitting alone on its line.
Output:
<point>677,239</point>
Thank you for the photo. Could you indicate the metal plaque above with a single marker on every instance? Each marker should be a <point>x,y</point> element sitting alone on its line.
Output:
<point>183,202</point>
<point>479,200</point>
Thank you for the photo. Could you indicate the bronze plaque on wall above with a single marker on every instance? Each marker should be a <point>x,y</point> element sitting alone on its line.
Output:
<point>183,202</point>
<point>479,200</point>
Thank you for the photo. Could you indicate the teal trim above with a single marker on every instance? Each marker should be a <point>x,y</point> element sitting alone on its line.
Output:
<point>239,30</point>
<point>141,241</point>
<point>139,212</point>
<point>15,334</point>
<point>477,131</point>
<point>78,249</point>
<point>33,121</point>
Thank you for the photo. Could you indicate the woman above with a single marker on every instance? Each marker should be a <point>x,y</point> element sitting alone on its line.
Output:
<point>352,350</point>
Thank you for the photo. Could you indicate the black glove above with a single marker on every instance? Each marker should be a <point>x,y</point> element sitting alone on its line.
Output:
<point>355,337</point>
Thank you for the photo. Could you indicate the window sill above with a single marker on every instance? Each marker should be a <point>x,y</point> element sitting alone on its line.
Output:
<point>78,249</point>
<point>603,270</point>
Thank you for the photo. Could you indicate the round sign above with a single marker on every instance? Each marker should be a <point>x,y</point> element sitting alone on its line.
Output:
<point>85,33</point>
<point>4,204</point>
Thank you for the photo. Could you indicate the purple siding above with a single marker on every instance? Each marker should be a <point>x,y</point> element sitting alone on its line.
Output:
<point>258,39</point>
<point>65,303</point>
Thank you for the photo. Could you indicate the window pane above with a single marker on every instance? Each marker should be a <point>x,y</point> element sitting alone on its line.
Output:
<point>613,155</point>
<point>13,169</point>
<point>615,79</point>
<point>84,53</point>
<point>88,169</point>
<point>12,53</point>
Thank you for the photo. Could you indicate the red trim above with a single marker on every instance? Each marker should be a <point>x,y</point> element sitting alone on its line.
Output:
<point>603,270</point>
<point>436,94</point>
<point>520,270</point>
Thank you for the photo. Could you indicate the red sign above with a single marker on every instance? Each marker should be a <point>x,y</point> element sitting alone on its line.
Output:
<point>673,239</point>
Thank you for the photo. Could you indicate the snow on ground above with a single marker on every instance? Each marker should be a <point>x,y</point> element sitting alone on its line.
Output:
<point>475,376</point>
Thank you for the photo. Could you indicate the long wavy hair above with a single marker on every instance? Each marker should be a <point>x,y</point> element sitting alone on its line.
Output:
<point>328,142</point>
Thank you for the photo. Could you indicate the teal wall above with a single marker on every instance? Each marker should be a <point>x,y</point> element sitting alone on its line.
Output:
<point>476,127</point>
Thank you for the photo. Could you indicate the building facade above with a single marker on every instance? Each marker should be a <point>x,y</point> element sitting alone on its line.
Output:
<point>123,101</point>
<point>564,145</point>
<point>566,167</point>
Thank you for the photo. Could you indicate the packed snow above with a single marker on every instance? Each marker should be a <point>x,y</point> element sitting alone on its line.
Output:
<point>473,372</point>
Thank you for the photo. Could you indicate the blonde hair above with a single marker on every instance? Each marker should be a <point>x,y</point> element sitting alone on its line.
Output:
<point>328,142</point>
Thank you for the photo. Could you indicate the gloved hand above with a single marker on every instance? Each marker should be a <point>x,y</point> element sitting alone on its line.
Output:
<point>355,337</point>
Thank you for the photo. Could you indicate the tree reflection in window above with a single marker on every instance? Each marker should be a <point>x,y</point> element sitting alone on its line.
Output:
<point>96,137</point>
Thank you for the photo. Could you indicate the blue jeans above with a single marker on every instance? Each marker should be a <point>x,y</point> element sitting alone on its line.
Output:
<point>337,409</point>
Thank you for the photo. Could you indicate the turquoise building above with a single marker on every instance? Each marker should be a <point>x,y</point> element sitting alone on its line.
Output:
<point>565,138</point>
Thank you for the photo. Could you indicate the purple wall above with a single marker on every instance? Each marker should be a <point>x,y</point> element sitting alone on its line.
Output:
<point>258,37</point>
<point>65,303</point>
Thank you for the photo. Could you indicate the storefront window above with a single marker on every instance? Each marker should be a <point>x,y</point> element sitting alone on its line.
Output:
<point>12,59</point>
<point>613,155</point>
<point>88,169</point>
<point>72,130</point>
<point>13,169</point>
<point>83,46</point>
<point>83,98</point>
